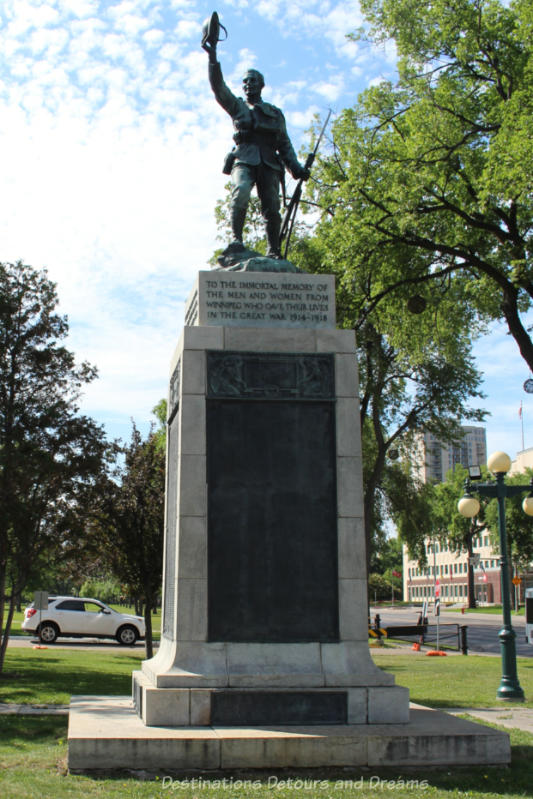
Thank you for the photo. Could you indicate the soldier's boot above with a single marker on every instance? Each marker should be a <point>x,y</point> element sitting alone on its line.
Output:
<point>238,216</point>
<point>273,227</point>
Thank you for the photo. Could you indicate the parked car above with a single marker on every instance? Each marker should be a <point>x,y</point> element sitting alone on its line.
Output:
<point>82,617</point>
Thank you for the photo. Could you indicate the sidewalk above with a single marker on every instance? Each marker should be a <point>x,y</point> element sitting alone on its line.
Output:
<point>13,709</point>
<point>516,718</point>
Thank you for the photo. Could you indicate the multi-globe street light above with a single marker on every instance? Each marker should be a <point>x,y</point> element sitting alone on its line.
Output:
<point>499,464</point>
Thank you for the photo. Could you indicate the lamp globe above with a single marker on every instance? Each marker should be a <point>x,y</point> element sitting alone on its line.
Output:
<point>468,506</point>
<point>527,506</point>
<point>499,463</point>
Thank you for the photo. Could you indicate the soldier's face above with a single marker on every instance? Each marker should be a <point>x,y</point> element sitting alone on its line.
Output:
<point>251,84</point>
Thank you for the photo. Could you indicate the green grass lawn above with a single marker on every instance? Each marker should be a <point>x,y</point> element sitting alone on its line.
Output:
<point>492,609</point>
<point>51,676</point>
<point>453,681</point>
<point>33,766</point>
<point>33,749</point>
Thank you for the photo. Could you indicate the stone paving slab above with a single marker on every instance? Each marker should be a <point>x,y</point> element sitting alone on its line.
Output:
<point>105,733</point>
<point>517,718</point>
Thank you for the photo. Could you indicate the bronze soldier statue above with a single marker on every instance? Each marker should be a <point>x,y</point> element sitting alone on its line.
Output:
<point>262,147</point>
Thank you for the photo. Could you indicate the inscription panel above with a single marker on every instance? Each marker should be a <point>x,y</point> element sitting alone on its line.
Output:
<point>262,300</point>
<point>246,708</point>
<point>272,516</point>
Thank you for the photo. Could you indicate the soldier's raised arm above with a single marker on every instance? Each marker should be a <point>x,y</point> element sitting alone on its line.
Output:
<point>223,94</point>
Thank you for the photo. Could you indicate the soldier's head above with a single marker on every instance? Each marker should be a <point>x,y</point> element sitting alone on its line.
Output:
<point>252,84</point>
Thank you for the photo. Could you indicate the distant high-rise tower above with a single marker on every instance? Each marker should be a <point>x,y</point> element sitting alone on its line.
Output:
<point>434,458</point>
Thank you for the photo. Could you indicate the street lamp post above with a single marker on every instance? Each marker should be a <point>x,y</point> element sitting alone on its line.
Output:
<point>499,464</point>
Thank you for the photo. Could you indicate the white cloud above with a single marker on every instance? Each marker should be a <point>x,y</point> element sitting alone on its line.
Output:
<point>112,151</point>
<point>330,90</point>
<point>188,28</point>
<point>79,8</point>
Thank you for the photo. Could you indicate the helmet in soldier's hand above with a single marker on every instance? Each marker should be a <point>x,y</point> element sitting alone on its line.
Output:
<point>211,30</point>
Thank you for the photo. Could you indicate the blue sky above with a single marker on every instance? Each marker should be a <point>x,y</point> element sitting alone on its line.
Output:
<point>112,147</point>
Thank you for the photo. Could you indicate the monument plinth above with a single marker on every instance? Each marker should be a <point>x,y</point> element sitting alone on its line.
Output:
<point>264,659</point>
<point>264,597</point>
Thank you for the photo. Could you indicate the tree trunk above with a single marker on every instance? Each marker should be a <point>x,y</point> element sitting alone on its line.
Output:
<point>148,640</point>
<point>4,638</point>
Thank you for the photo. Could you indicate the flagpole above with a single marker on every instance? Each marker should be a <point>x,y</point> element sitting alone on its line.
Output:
<point>522,420</point>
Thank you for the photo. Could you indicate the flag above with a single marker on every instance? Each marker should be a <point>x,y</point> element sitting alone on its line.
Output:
<point>396,574</point>
<point>520,411</point>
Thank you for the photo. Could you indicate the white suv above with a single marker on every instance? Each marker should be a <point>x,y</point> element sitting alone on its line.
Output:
<point>80,617</point>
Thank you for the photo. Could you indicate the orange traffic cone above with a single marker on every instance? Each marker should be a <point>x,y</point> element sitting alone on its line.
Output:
<point>416,646</point>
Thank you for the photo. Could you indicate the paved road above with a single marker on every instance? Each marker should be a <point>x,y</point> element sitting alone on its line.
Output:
<point>82,644</point>
<point>483,631</point>
<point>483,628</point>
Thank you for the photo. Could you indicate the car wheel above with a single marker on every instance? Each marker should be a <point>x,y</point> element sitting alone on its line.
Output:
<point>48,632</point>
<point>127,635</point>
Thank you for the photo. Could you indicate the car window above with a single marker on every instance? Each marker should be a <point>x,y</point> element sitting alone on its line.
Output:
<point>70,604</point>
<point>93,607</point>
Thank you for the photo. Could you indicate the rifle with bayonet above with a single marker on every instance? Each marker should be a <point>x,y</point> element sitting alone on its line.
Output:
<point>290,212</point>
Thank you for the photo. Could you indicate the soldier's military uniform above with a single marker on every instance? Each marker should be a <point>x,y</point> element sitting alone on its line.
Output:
<point>262,149</point>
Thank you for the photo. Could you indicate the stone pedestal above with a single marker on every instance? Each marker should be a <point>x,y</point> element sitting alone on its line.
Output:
<point>264,659</point>
<point>264,595</point>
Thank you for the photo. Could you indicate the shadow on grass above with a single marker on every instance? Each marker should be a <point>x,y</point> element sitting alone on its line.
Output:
<point>54,680</point>
<point>25,732</point>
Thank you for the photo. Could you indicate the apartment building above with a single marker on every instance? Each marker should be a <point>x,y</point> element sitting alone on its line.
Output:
<point>433,461</point>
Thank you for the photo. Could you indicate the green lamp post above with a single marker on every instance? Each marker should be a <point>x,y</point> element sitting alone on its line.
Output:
<point>499,464</point>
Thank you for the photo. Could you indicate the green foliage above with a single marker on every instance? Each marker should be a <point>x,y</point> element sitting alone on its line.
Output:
<point>381,587</point>
<point>426,219</point>
<point>388,558</point>
<point>127,522</point>
<point>519,526</point>
<point>107,589</point>
<point>160,434</point>
<point>49,454</point>
<point>431,178</point>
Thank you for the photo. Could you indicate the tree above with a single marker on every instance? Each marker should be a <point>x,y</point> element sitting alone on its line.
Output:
<point>429,189</point>
<point>160,412</point>
<point>127,525</point>
<point>389,557</point>
<point>49,454</point>
<point>404,392</point>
